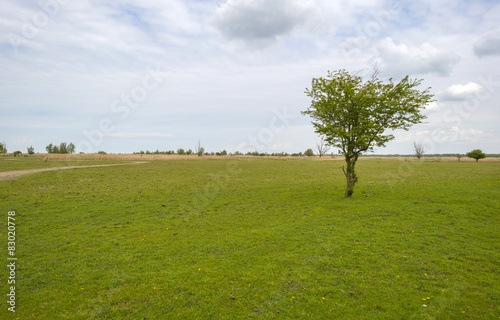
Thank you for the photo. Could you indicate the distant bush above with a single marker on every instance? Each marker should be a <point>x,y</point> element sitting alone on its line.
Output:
<point>256,153</point>
<point>279,154</point>
<point>221,153</point>
<point>102,152</point>
<point>159,152</point>
<point>309,152</point>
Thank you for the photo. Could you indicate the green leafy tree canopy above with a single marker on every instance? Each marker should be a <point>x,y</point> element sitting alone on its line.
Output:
<point>476,154</point>
<point>354,115</point>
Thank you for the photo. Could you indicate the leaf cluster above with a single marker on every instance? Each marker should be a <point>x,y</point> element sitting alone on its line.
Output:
<point>353,115</point>
<point>476,154</point>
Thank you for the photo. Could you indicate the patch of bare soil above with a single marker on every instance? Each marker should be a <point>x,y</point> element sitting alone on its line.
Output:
<point>11,175</point>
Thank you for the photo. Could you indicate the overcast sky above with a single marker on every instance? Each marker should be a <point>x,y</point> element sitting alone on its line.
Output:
<point>124,76</point>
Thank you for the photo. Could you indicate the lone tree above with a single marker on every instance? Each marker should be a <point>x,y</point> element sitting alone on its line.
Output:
<point>476,154</point>
<point>419,149</point>
<point>321,147</point>
<point>353,114</point>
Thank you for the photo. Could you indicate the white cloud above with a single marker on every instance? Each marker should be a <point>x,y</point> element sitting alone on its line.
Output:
<point>488,45</point>
<point>432,106</point>
<point>399,59</point>
<point>460,92</point>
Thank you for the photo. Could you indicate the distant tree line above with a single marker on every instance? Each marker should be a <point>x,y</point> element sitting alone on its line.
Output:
<point>321,149</point>
<point>184,152</point>
<point>309,152</point>
<point>62,148</point>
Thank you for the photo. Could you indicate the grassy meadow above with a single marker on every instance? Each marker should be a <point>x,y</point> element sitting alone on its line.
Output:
<point>9,163</point>
<point>254,238</point>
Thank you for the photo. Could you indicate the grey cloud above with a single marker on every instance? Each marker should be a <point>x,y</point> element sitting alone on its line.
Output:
<point>488,45</point>
<point>261,20</point>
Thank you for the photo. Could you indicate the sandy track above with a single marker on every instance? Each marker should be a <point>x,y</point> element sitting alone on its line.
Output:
<point>11,175</point>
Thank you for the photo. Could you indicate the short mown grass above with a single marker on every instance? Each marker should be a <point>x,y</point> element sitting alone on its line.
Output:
<point>233,239</point>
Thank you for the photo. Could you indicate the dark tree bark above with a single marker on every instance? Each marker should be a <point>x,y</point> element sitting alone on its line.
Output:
<point>350,175</point>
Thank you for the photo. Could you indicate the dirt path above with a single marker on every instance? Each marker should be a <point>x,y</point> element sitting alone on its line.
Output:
<point>11,175</point>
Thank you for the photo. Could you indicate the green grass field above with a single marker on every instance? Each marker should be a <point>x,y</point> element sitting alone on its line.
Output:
<point>263,238</point>
<point>8,163</point>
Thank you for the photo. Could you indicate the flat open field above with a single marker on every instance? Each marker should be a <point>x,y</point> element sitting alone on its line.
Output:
<point>236,238</point>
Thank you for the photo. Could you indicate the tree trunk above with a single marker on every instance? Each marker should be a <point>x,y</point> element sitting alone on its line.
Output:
<point>350,177</point>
